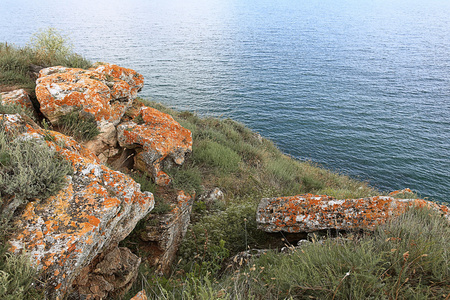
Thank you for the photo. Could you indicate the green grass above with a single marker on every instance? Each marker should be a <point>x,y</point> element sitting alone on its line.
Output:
<point>16,109</point>
<point>407,258</point>
<point>47,48</point>
<point>79,125</point>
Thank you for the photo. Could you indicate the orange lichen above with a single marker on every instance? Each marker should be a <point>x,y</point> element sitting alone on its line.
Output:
<point>140,296</point>
<point>304,213</point>
<point>63,231</point>
<point>20,97</point>
<point>159,138</point>
<point>106,96</point>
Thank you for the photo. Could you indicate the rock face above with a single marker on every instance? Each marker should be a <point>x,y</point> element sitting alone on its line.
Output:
<point>307,213</point>
<point>110,275</point>
<point>159,141</point>
<point>98,208</point>
<point>105,92</point>
<point>20,97</point>
<point>166,232</point>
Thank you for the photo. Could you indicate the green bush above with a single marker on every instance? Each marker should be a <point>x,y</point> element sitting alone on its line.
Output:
<point>17,277</point>
<point>30,169</point>
<point>47,48</point>
<point>187,179</point>
<point>79,124</point>
<point>213,238</point>
<point>50,42</point>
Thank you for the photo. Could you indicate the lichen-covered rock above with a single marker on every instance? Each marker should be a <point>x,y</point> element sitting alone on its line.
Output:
<point>20,97</point>
<point>307,213</point>
<point>140,296</point>
<point>211,197</point>
<point>166,232</point>
<point>109,275</point>
<point>105,92</point>
<point>97,208</point>
<point>158,141</point>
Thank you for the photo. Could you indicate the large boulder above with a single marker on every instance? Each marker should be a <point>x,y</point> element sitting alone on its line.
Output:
<point>307,213</point>
<point>158,140</point>
<point>97,208</point>
<point>105,92</point>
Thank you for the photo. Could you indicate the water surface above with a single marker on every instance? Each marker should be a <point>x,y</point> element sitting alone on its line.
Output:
<point>362,87</point>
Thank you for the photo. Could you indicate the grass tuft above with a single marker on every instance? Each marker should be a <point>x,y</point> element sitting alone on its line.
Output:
<point>79,124</point>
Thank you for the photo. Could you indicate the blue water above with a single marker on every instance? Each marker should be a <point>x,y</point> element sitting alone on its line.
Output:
<point>362,87</point>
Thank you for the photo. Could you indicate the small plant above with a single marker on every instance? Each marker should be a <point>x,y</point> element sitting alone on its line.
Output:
<point>30,169</point>
<point>79,124</point>
<point>187,179</point>
<point>138,120</point>
<point>161,207</point>
<point>16,109</point>
<point>50,42</point>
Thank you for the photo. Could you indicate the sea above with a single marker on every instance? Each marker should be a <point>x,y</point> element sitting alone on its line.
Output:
<point>361,87</point>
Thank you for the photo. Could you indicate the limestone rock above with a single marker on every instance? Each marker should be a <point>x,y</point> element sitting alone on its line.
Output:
<point>104,145</point>
<point>167,230</point>
<point>140,296</point>
<point>97,208</point>
<point>110,275</point>
<point>159,141</point>
<point>212,196</point>
<point>105,92</point>
<point>20,97</point>
<point>307,213</point>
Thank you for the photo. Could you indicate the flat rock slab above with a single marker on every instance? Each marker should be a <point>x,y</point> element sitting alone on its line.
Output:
<point>97,208</point>
<point>307,213</point>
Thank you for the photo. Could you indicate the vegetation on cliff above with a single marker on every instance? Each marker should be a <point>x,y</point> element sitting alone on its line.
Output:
<point>407,258</point>
<point>403,259</point>
<point>18,65</point>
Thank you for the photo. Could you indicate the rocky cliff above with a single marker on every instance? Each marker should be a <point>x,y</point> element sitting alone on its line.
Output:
<point>72,237</point>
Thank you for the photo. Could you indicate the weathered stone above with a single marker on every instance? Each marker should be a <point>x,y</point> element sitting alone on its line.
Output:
<point>20,97</point>
<point>110,275</point>
<point>97,208</point>
<point>211,197</point>
<point>166,232</point>
<point>104,92</point>
<point>140,296</point>
<point>105,143</point>
<point>159,141</point>
<point>307,213</point>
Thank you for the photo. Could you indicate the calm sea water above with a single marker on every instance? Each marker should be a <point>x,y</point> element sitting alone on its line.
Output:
<point>362,87</point>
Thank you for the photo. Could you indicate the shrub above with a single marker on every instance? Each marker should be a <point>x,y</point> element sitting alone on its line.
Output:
<point>47,48</point>
<point>79,124</point>
<point>188,179</point>
<point>30,169</point>
<point>17,277</point>
<point>49,43</point>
